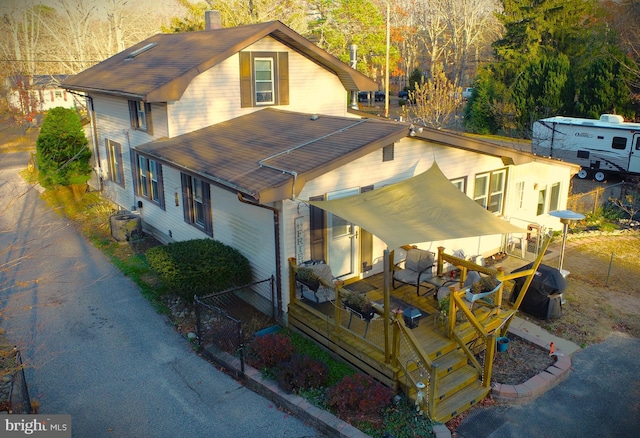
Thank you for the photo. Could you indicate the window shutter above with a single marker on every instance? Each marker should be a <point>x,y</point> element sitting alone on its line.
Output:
<point>317,230</point>
<point>246,86</point>
<point>147,111</point>
<point>160,185</point>
<point>206,204</point>
<point>283,78</point>
<point>187,203</point>
<point>133,113</point>
<point>135,171</point>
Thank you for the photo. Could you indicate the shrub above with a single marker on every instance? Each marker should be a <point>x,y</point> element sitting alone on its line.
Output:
<point>61,149</point>
<point>359,398</point>
<point>337,369</point>
<point>302,372</point>
<point>269,350</point>
<point>199,267</point>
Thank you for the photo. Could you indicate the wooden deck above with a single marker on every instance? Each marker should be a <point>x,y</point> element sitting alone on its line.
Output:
<point>454,384</point>
<point>437,362</point>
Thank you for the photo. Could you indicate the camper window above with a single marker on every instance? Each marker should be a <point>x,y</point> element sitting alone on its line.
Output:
<point>619,143</point>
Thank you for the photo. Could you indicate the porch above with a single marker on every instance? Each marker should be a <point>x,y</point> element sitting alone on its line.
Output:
<point>435,360</point>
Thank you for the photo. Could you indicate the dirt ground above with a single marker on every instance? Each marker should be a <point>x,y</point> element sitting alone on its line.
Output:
<point>603,292</point>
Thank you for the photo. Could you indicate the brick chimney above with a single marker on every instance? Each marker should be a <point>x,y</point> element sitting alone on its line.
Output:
<point>212,20</point>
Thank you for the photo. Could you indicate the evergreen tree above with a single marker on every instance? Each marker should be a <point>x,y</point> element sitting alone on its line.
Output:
<point>545,47</point>
<point>604,89</point>
<point>61,149</point>
<point>539,90</point>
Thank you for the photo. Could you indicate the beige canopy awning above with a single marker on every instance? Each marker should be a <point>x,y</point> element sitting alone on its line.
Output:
<point>424,208</point>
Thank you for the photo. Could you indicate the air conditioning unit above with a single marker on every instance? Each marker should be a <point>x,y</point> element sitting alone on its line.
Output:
<point>125,226</point>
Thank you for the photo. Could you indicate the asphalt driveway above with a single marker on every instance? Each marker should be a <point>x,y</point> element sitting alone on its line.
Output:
<point>96,349</point>
<point>600,398</point>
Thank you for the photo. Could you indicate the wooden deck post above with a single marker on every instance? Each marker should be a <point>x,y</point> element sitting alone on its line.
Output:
<point>440,261</point>
<point>432,388</point>
<point>489,355</point>
<point>388,269</point>
<point>292,280</point>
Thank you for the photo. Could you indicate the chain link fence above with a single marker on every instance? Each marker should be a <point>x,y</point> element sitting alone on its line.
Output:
<point>14,392</point>
<point>590,202</point>
<point>227,320</point>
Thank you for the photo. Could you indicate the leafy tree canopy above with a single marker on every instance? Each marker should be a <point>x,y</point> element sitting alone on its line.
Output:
<point>240,12</point>
<point>61,149</point>
<point>543,62</point>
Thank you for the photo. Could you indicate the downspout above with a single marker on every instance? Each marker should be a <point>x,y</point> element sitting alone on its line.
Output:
<point>276,232</point>
<point>94,140</point>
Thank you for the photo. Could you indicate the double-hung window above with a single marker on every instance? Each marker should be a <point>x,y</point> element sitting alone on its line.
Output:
<point>264,78</point>
<point>460,183</point>
<point>116,169</point>
<point>148,173</point>
<point>263,70</point>
<point>196,201</point>
<point>489,190</point>
<point>140,115</point>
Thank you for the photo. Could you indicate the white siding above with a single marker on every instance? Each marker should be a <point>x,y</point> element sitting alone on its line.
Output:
<point>536,176</point>
<point>246,228</point>
<point>413,157</point>
<point>113,123</point>
<point>214,96</point>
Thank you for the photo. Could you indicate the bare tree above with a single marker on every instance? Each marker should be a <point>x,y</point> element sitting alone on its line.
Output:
<point>436,101</point>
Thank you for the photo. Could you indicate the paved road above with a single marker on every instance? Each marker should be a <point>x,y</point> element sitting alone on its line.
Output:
<point>97,350</point>
<point>600,398</point>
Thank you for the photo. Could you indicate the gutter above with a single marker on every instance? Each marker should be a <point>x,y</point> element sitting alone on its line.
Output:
<point>276,232</point>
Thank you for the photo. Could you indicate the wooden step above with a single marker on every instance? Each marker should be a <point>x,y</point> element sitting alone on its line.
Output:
<point>456,381</point>
<point>460,402</point>
<point>450,362</point>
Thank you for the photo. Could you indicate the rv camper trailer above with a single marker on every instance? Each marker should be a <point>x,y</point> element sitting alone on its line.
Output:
<point>599,146</point>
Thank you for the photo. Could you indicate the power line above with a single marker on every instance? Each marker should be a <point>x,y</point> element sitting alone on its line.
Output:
<point>61,60</point>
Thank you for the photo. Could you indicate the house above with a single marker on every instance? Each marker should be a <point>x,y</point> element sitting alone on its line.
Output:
<point>229,132</point>
<point>32,94</point>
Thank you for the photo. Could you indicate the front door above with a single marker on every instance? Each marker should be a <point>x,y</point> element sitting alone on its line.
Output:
<point>634,157</point>
<point>342,241</point>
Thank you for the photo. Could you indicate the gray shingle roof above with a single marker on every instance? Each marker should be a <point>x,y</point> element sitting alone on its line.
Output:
<point>259,154</point>
<point>162,73</point>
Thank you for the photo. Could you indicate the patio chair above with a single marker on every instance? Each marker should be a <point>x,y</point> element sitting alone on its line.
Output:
<point>315,291</point>
<point>418,267</point>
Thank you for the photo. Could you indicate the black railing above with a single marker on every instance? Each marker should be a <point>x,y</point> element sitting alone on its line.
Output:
<point>15,392</point>
<point>226,320</point>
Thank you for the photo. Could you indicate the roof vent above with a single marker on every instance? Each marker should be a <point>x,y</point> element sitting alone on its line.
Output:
<point>611,118</point>
<point>140,51</point>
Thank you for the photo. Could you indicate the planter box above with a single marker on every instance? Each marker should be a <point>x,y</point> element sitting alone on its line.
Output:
<point>472,298</point>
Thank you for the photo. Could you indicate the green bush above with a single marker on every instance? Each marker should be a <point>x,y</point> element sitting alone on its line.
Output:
<point>199,267</point>
<point>61,149</point>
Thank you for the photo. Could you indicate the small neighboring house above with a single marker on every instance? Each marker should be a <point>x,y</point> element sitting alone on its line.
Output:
<point>225,133</point>
<point>31,94</point>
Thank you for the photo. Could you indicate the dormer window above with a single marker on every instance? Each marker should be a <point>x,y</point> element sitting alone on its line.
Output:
<point>263,72</point>
<point>140,115</point>
<point>264,78</point>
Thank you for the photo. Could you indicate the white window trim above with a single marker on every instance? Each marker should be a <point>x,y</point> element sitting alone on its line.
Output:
<point>271,80</point>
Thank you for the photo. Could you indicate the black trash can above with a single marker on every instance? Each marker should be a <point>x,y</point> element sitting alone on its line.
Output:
<point>545,295</point>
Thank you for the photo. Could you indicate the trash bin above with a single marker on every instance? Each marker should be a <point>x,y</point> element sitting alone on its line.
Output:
<point>545,295</point>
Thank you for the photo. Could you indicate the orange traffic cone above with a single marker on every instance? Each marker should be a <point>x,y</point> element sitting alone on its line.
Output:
<point>551,349</point>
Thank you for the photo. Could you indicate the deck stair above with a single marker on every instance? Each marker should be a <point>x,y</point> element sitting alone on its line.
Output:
<point>458,384</point>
